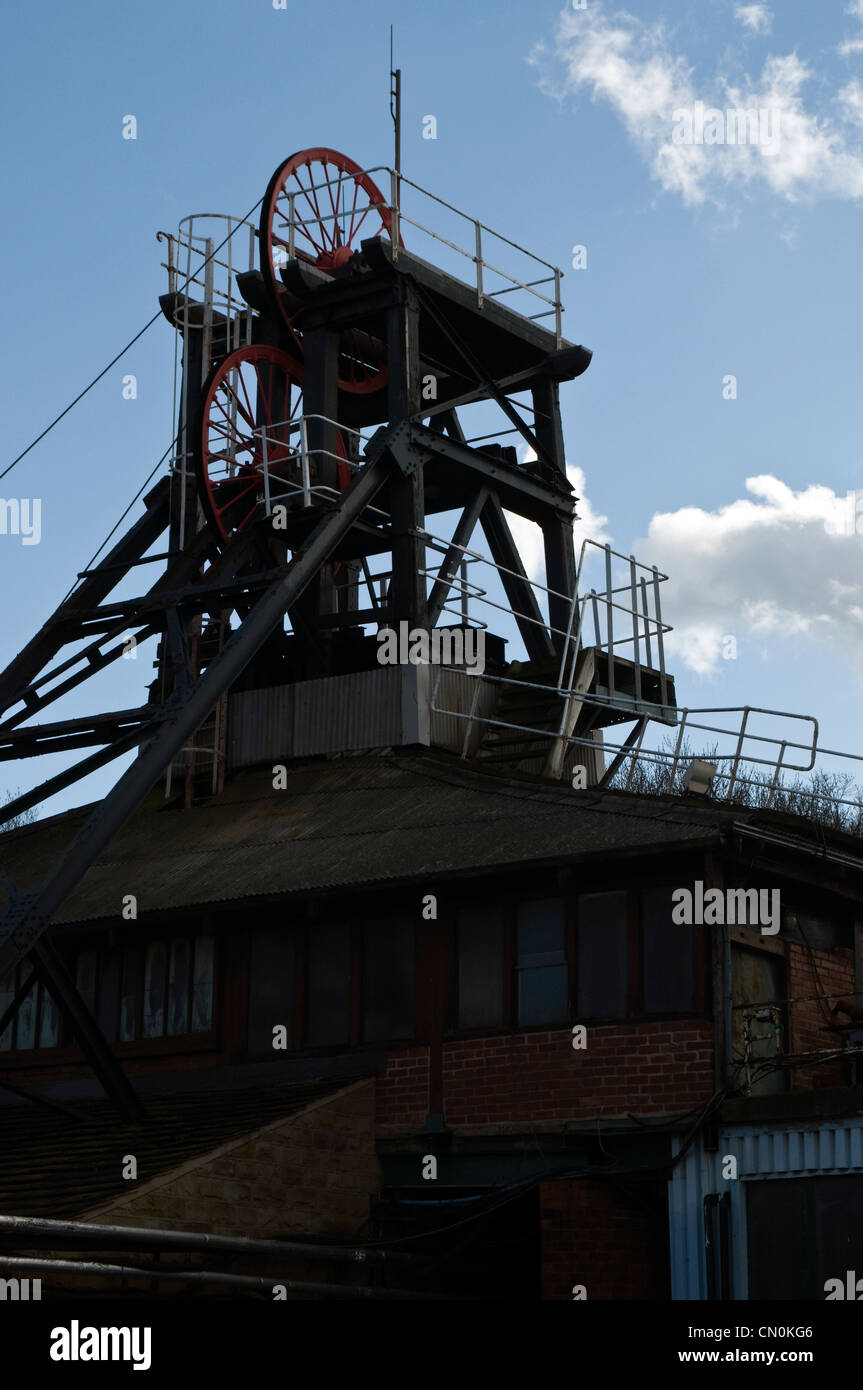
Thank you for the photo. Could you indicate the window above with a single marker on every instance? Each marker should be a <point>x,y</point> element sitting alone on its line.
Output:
<point>36,1024</point>
<point>271,985</point>
<point>667,950</point>
<point>176,994</point>
<point>160,989</point>
<point>329,981</point>
<point>388,980</point>
<point>542,970</point>
<point>603,955</point>
<point>759,1017</point>
<point>480,968</point>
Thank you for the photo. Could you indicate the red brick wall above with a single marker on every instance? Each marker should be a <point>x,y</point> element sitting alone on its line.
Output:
<point>664,1066</point>
<point>831,974</point>
<point>403,1091</point>
<point>614,1243</point>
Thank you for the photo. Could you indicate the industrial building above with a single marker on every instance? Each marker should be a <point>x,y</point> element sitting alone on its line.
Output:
<point>371,971</point>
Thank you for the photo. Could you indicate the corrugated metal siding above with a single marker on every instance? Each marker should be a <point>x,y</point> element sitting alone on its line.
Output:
<point>260,726</point>
<point>342,714</point>
<point>762,1151</point>
<point>347,713</point>
<point>453,690</point>
<point>353,712</point>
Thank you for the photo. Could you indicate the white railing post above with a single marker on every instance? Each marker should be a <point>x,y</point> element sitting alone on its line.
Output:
<point>266,470</point>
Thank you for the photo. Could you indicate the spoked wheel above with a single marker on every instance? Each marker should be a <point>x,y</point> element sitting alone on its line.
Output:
<point>333,206</point>
<point>251,409</point>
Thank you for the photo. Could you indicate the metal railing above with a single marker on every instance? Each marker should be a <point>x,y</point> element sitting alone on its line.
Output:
<point>278,487</point>
<point>486,272</point>
<point>209,305</point>
<point>748,746</point>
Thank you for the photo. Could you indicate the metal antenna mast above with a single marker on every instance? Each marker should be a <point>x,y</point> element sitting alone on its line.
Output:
<point>396,113</point>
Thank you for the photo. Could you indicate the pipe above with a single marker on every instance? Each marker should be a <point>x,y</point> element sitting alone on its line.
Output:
<point>246,1281</point>
<point>194,1240</point>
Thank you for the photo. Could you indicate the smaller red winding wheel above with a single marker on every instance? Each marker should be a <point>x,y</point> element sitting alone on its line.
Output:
<point>251,409</point>
<point>332,205</point>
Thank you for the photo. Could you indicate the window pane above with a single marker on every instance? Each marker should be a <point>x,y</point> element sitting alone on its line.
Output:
<point>603,955</point>
<point>668,969</point>
<point>129,993</point>
<point>542,972</point>
<point>329,985</point>
<point>758,979</point>
<point>480,968</point>
<point>388,980</point>
<point>202,995</point>
<point>178,986</point>
<point>7,994</point>
<point>154,990</point>
<point>48,1020</point>
<point>26,1034</point>
<point>110,962</point>
<point>271,986</point>
<point>85,977</point>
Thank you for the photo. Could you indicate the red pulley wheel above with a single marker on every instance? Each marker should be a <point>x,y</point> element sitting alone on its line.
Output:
<point>335,206</point>
<point>252,401</point>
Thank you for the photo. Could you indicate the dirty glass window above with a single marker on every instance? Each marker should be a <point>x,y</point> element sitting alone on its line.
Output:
<point>271,986</point>
<point>107,1004</point>
<point>179,980</point>
<point>202,993</point>
<point>129,991</point>
<point>328,998</point>
<point>667,956</point>
<point>388,980</point>
<point>36,1024</point>
<point>758,1017</point>
<point>603,955</point>
<point>543,977</point>
<point>154,990</point>
<point>480,968</point>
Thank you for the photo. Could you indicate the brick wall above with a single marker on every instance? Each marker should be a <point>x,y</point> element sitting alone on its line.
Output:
<point>612,1241</point>
<point>666,1066</point>
<point>310,1174</point>
<point>821,973</point>
<point>403,1092</point>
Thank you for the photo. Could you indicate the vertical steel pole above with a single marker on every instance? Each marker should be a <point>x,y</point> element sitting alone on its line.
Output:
<point>609,602</point>
<point>660,644</point>
<point>266,470</point>
<point>304,462</point>
<point>636,644</point>
<point>646,612</point>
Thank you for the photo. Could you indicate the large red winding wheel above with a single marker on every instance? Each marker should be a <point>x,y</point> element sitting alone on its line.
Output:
<point>252,401</point>
<point>334,205</point>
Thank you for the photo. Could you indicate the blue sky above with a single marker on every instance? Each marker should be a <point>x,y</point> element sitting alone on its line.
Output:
<point>553,126</point>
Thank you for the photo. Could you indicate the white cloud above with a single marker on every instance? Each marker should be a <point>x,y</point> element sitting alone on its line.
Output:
<point>849,46</point>
<point>628,65</point>
<point>776,564</point>
<point>755,17</point>
<point>851,97</point>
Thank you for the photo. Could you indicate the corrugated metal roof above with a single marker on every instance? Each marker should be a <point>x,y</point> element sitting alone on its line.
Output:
<point>347,821</point>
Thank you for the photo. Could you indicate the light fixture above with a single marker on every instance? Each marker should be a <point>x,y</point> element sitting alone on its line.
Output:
<point>698,777</point>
